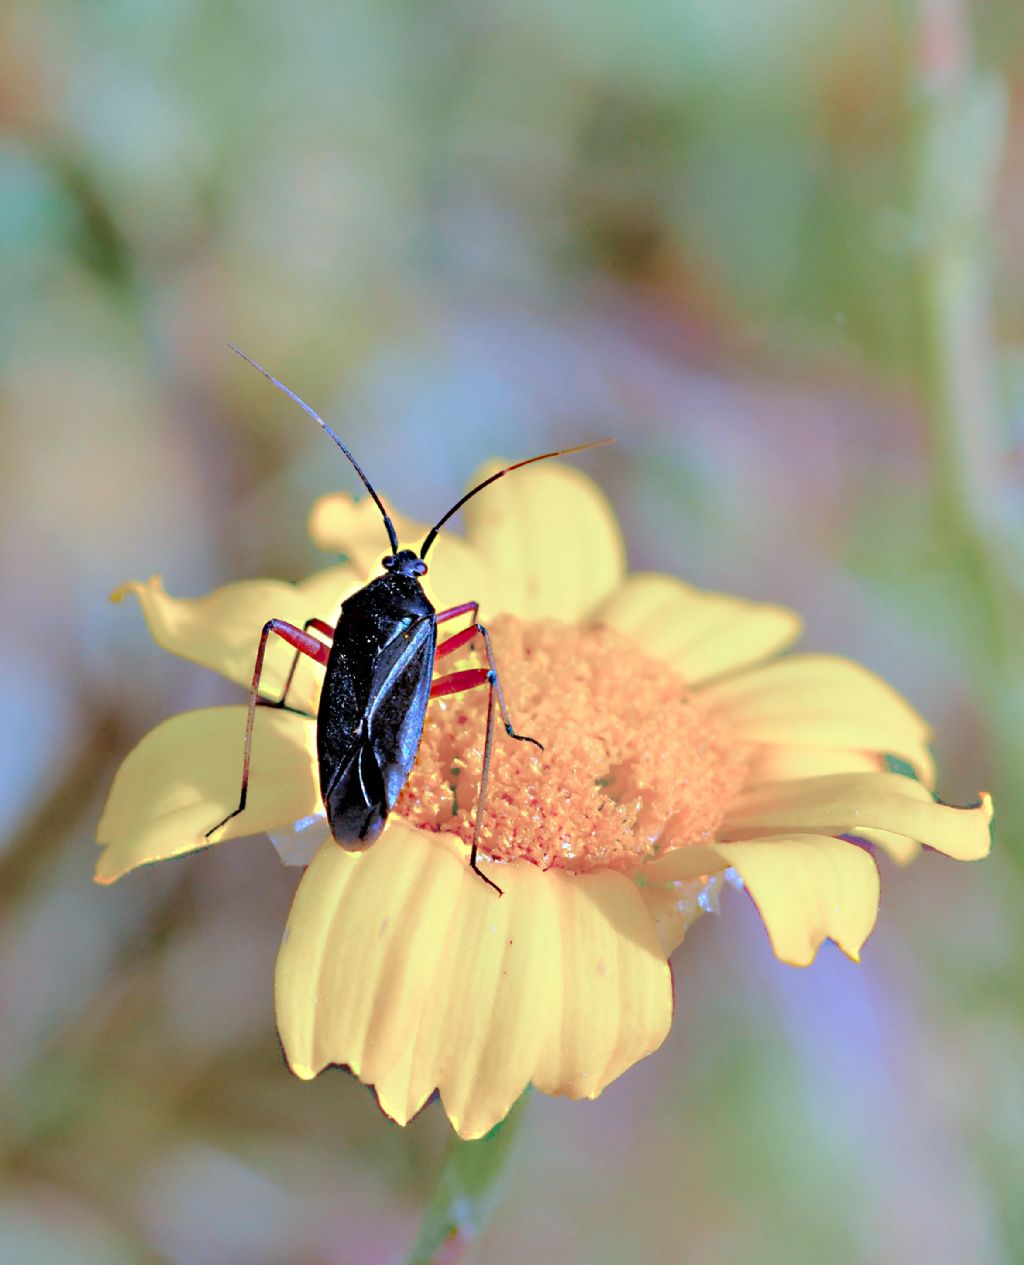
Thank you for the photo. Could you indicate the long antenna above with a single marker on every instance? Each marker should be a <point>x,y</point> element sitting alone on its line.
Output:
<point>562,452</point>
<point>317,418</point>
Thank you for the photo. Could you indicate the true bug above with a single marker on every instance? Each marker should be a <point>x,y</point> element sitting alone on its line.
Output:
<point>379,677</point>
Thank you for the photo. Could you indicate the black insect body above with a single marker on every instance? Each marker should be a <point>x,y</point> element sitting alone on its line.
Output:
<point>374,700</point>
<point>379,676</point>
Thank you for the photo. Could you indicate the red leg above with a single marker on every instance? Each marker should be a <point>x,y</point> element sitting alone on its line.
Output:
<point>475,676</point>
<point>453,612</point>
<point>456,682</point>
<point>468,679</point>
<point>304,644</point>
<point>455,641</point>
<point>484,774</point>
<point>325,630</point>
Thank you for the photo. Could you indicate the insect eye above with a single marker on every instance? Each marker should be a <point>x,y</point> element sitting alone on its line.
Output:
<point>388,562</point>
<point>421,568</point>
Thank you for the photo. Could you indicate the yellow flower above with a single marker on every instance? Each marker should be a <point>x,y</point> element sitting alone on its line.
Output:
<point>678,748</point>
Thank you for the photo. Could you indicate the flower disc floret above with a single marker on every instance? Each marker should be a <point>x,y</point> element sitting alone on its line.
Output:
<point>679,747</point>
<point>633,764</point>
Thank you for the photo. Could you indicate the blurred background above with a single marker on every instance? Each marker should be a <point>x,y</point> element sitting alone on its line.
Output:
<point>777,248</point>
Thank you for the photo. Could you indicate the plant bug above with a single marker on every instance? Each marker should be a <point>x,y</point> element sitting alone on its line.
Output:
<point>379,664</point>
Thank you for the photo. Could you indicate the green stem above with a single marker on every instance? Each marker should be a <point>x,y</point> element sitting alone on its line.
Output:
<point>466,1193</point>
<point>957,144</point>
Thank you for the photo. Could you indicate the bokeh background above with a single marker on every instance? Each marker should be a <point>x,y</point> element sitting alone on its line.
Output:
<point>777,248</point>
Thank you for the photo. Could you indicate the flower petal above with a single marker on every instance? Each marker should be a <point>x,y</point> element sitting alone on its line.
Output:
<point>786,764</point>
<point>701,634</point>
<point>352,526</point>
<point>823,700</point>
<point>498,995</point>
<point>898,848</point>
<point>341,524</point>
<point>549,542</point>
<point>222,630</point>
<point>847,803</point>
<point>402,964</point>
<point>677,905</point>
<point>457,574</point>
<point>618,1003</point>
<point>360,952</point>
<point>808,888</point>
<point>185,775</point>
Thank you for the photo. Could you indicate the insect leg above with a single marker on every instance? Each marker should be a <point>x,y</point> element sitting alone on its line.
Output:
<point>325,630</point>
<point>304,644</point>
<point>468,679</point>
<point>454,611</point>
<point>460,639</point>
<point>456,683</point>
<point>455,641</point>
<point>482,797</point>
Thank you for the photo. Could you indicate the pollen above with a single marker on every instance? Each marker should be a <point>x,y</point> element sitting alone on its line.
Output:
<point>632,763</point>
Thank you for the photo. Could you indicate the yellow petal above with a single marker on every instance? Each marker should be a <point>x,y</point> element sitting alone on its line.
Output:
<point>676,905</point>
<point>350,526</point>
<point>185,776</point>
<point>222,630</point>
<point>618,1003</point>
<point>898,848</point>
<point>823,700</point>
<point>341,524</point>
<point>785,764</point>
<point>499,992</point>
<point>808,888</point>
<point>848,803</point>
<point>549,542</point>
<point>403,965</point>
<point>457,574</point>
<point>702,635</point>
<point>361,948</point>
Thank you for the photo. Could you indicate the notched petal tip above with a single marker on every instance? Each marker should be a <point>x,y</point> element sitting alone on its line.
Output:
<point>830,892</point>
<point>221,629</point>
<point>983,804</point>
<point>560,982</point>
<point>808,888</point>
<point>852,803</point>
<point>793,845</point>
<point>973,840</point>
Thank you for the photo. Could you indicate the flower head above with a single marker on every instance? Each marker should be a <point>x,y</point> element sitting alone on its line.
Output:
<point>678,747</point>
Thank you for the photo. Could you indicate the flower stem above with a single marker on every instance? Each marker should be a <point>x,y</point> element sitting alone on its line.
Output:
<point>466,1193</point>
<point>956,147</point>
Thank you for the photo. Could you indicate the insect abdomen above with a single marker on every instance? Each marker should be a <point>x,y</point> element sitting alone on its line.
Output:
<point>373,704</point>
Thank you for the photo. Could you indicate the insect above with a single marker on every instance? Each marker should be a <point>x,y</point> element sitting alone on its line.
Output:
<point>379,664</point>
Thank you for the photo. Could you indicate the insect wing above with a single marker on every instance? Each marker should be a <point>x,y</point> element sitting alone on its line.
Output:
<point>398,703</point>
<point>369,777</point>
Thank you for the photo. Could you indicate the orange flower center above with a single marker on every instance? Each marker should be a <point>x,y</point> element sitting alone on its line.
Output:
<point>632,764</point>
